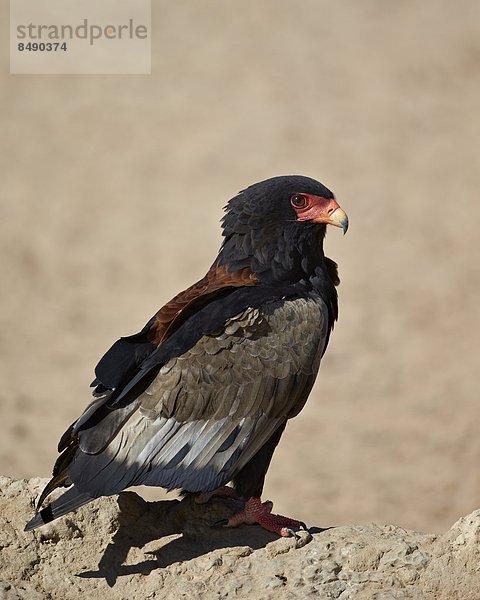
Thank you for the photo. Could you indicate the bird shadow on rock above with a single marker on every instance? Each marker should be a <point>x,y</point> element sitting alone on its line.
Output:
<point>182,528</point>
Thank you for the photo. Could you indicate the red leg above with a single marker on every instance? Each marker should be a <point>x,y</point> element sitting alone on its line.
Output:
<point>256,511</point>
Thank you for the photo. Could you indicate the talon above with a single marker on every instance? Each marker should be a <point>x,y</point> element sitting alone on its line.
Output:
<point>287,532</point>
<point>219,523</point>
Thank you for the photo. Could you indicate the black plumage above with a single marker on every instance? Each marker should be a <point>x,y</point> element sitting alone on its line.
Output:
<point>201,396</point>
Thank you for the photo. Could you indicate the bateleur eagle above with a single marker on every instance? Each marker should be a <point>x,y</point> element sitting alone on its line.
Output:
<point>201,396</point>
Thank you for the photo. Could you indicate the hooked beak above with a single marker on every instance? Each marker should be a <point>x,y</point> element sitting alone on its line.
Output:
<point>339,219</point>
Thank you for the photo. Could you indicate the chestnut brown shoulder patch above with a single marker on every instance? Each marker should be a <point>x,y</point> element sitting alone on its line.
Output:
<point>217,278</point>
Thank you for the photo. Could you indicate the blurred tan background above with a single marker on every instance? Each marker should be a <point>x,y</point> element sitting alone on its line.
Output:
<point>111,193</point>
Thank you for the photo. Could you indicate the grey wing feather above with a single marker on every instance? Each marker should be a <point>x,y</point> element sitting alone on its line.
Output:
<point>210,410</point>
<point>67,502</point>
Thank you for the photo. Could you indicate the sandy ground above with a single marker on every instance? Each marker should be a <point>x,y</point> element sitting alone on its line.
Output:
<point>111,193</point>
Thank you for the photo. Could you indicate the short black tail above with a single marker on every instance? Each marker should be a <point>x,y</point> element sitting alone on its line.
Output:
<point>67,502</point>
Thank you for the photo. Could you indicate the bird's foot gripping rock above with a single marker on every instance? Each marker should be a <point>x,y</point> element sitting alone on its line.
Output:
<point>224,491</point>
<point>256,511</point>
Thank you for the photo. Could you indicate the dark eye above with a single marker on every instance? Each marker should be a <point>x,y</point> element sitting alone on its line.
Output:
<point>298,201</point>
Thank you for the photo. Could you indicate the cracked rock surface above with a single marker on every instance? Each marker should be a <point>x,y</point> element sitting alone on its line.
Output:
<point>123,547</point>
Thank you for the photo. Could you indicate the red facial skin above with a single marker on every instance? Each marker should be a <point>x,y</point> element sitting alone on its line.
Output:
<point>316,209</point>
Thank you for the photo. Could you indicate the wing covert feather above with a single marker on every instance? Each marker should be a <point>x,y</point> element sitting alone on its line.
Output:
<point>209,410</point>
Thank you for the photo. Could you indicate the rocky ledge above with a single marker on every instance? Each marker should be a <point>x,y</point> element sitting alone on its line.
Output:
<point>124,548</point>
